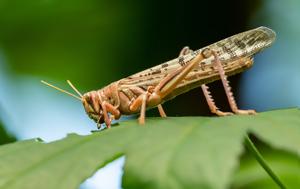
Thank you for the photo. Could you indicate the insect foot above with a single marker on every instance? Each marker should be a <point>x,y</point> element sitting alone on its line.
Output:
<point>245,112</point>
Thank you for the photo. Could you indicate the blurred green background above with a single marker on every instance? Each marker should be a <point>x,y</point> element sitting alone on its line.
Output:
<point>93,43</point>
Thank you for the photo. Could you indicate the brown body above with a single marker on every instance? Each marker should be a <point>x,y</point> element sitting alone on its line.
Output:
<point>201,74</point>
<point>121,96</point>
<point>152,87</point>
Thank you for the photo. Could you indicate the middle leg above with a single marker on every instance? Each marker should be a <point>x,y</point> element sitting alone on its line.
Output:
<point>140,103</point>
<point>161,111</point>
<point>149,91</point>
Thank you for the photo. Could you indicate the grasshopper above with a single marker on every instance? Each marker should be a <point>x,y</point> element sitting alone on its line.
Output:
<point>154,86</point>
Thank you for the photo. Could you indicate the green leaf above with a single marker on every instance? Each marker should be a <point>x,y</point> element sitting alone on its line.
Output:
<point>4,136</point>
<point>181,152</point>
<point>184,153</point>
<point>252,176</point>
<point>62,164</point>
<point>284,132</point>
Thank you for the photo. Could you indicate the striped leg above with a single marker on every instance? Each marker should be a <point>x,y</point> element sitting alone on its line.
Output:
<point>227,88</point>
<point>211,104</point>
<point>210,101</point>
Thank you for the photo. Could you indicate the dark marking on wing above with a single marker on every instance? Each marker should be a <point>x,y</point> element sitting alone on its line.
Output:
<point>229,51</point>
<point>164,65</point>
<point>240,44</point>
<point>251,42</point>
<point>181,61</point>
<point>144,88</point>
<point>156,72</point>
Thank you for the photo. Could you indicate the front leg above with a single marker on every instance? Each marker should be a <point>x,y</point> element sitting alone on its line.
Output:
<point>106,108</point>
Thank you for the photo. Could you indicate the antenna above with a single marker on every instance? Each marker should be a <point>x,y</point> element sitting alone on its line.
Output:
<point>61,90</point>
<point>72,86</point>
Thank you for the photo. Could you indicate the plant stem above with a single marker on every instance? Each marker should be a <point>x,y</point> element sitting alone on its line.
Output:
<point>263,163</point>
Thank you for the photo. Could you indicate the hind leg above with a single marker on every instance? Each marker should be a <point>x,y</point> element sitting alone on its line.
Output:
<point>210,101</point>
<point>227,88</point>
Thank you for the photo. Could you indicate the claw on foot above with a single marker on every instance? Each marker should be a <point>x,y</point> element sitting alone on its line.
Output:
<point>141,121</point>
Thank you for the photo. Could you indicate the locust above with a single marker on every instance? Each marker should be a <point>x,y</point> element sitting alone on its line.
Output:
<point>191,69</point>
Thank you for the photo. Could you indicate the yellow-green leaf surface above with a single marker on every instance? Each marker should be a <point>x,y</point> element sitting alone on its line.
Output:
<point>181,152</point>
